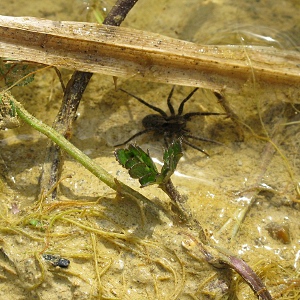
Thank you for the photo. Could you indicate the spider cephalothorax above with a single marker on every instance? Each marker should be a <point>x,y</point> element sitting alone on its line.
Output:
<point>173,125</point>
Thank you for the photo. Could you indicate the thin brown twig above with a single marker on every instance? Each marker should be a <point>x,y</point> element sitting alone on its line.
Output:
<point>71,100</point>
<point>119,12</point>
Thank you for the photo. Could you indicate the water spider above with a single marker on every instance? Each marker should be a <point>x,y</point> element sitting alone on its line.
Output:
<point>173,125</point>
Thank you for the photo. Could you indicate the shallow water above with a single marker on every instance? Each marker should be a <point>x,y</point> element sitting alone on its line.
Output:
<point>244,195</point>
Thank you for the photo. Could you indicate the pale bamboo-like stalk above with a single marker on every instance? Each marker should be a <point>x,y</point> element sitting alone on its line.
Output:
<point>130,53</point>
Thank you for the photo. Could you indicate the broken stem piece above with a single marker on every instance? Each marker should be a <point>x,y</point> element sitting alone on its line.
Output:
<point>63,125</point>
<point>220,258</point>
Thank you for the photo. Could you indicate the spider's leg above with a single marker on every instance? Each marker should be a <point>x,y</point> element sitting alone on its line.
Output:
<point>134,136</point>
<point>157,109</point>
<point>171,108</point>
<point>180,109</point>
<point>198,138</point>
<point>194,146</point>
<point>188,116</point>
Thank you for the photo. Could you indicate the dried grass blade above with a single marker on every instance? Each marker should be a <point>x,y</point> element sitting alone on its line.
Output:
<point>130,53</point>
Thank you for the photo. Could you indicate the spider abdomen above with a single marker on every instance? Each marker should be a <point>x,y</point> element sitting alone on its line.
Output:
<point>169,126</point>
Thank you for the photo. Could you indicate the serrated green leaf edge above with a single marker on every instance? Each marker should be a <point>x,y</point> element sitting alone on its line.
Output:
<point>141,166</point>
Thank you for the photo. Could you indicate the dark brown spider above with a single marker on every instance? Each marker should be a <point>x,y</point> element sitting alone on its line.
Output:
<point>172,126</point>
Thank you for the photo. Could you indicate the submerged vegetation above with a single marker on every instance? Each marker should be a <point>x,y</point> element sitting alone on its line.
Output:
<point>142,167</point>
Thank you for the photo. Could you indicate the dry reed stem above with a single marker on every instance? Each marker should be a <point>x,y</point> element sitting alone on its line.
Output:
<point>130,53</point>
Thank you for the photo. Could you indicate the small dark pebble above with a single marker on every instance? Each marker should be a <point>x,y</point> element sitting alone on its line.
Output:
<point>63,263</point>
<point>56,260</point>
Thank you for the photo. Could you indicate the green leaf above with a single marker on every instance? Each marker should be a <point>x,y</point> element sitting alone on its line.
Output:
<point>139,164</point>
<point>148,179</point>
<point>171,156</point>
<point>139,170</point>
<point>123,155</point>
<point>142,167</point>
<point>142,156</point>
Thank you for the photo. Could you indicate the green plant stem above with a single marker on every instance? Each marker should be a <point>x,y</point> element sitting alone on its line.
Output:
<point>177,199</point>
<point>63,143</point>
<point>181,209</point>
<point>79,156</point>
